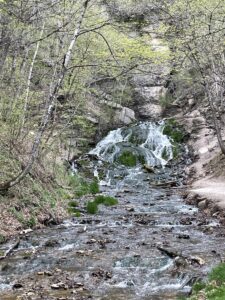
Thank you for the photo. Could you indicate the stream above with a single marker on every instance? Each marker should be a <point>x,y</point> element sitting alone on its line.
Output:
<point>149,246</point>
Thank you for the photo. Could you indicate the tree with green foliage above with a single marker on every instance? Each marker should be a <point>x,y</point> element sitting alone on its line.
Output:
<point>195,31</point>
<point>51,54</point>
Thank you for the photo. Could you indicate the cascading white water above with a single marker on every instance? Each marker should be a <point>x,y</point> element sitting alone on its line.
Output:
<point>145,139</point>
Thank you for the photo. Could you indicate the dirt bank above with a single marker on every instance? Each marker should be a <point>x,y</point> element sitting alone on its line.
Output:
<point>206,173</point>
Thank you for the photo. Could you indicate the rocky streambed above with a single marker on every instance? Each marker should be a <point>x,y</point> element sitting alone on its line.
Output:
<point>149,246</point>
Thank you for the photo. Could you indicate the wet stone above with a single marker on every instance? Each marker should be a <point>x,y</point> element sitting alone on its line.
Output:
<point>115,253</point>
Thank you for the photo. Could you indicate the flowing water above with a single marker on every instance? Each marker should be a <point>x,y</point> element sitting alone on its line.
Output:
<point>116,254</point>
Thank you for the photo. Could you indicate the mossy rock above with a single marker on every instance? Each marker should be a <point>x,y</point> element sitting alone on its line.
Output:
<point>165,154</point>
<point>174,131</point>
<point>177,134</point>
<point>127,159</point>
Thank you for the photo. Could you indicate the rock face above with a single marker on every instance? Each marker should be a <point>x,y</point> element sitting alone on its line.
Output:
<point>150,111</point>
<point>150,88</point>
<point>125,116</point>
<point>148,99</point>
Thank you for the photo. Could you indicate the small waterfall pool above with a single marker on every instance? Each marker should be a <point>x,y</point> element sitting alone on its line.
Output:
<point>116,254</point>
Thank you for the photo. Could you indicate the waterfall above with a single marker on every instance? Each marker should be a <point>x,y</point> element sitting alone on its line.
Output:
<point>144,140</point>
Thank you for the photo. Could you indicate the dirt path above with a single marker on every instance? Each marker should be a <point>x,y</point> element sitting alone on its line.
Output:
<point>212,189</point>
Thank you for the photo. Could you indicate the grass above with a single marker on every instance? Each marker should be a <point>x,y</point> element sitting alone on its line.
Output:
<point>218,274</point>
<point>214,288</point>
<point>73,208</point>
<point>92,206</point>
<point>94,187</point>
<point>81,187</point>
<point>106,200</point>
<point>30,222</point>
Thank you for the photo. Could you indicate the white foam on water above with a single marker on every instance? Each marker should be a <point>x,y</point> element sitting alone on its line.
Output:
<point>67,247</point>
<point>153,145</point>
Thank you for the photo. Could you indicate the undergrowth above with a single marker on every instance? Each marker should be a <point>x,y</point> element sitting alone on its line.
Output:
<point>213,288</point>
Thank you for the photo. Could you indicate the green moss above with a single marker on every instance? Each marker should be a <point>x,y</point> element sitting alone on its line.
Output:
<point>164,154</point>
<point>127,159</point>
<point>72,208</point>
<point>174,131</point>
<point>176,150</point>
<point>216,293</point>
<point>177,135</point>
<point>141,159</point>
<point>77,214</point>
<point>84,162</point>
<point>74,211</point>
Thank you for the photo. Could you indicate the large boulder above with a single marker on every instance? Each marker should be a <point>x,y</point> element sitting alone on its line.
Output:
<point>125,116</point>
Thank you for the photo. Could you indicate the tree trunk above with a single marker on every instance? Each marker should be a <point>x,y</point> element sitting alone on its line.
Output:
<point>215,120</point>
<point>30,77</point>
<point>49,107</point>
